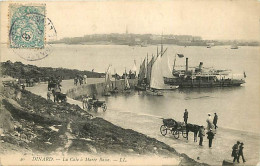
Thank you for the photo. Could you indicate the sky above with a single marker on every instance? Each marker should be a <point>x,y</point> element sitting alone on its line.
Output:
<point>216,19</point>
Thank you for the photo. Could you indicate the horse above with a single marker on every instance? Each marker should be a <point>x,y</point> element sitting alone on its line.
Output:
<point>193,128</point>
<point>59,97</point>
<point>51,85</point>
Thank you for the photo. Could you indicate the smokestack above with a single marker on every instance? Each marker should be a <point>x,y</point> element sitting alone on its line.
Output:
<point>187,64</point>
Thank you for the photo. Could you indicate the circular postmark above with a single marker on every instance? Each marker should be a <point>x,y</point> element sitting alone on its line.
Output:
<point>30,34</point>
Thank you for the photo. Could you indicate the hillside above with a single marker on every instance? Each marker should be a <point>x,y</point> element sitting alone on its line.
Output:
<point>42,126</point>
<point>20,70</point>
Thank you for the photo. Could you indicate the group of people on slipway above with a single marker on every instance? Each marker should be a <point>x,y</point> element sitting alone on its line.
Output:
<point>80,79</point>
<point>211,123</point>
<point>237,149</point>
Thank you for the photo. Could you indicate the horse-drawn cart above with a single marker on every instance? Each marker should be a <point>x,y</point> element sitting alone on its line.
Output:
<point>175,128</point>
<point>95,104</point>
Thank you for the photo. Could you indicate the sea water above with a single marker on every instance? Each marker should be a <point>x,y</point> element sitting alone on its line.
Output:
<point>237,107</point>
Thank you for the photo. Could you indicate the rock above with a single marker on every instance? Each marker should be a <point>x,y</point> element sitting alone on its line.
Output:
<point>130,150</point>
<point>227,162</point>
<point>49,143</point>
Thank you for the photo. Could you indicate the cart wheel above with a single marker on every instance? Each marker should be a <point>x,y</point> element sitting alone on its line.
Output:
<point>176,134</point>
<point>163,130</point>
<point>184,134</point>
<point>89,107</point>
<point>104,107</point>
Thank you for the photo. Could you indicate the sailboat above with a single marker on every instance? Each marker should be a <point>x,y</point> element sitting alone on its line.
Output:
<point>126,84</point>
<point>107,88</point>
<point>115,89</point>
<point>160,69</point>
<point>132,73</point>
<point>141,85</point>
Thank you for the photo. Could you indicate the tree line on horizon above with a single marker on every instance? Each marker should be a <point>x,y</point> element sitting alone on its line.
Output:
<point>21,71</point>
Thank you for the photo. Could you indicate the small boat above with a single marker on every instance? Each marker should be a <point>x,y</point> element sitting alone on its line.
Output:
<point>153,92</point>
<point>115,89</point>
<point>107,88</point>
<point>141,85</point>
<point>234,47</point>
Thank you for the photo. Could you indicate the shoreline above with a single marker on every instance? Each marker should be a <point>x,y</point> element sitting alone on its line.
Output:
<point>224,139</point>
<point>101,138</point>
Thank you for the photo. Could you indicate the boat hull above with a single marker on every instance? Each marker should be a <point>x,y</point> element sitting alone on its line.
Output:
<point>202,83</point>
<point>154,93</point>
<point>140,88</point>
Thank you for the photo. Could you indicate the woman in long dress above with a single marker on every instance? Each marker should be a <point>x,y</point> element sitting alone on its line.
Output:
<point>209,122</point>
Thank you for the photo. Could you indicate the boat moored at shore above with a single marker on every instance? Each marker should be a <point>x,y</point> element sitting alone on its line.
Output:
<point>204,78</point>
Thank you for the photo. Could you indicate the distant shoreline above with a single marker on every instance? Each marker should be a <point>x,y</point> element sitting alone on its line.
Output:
<point>108,43</point>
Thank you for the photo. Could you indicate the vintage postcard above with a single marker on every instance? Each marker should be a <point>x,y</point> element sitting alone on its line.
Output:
<point>130,82</point>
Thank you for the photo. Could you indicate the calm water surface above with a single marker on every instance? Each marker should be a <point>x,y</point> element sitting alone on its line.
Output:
<point>238,107</point>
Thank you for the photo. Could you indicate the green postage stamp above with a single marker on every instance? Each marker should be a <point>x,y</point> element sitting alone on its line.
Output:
<point>27,26</point>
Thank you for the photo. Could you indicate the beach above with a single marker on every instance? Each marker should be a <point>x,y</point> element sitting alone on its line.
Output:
<point>149,125</point>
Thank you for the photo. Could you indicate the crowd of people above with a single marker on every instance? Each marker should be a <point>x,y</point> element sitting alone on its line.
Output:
<point>80,79</point>
<point>237,149</point>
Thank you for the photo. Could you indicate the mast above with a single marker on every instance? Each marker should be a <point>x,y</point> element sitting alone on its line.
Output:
<point>125,79</point>
<point>115,77</point>
<point>146,68</point>
<point>174,62</point>
<point>157,51</point>
<point>152,68</point>
<point>161,45</point>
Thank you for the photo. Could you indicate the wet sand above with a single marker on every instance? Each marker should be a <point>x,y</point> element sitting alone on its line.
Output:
<point>222,144</point>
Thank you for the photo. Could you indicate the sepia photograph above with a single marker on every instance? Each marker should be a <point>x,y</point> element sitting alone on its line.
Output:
<point>130,82</point>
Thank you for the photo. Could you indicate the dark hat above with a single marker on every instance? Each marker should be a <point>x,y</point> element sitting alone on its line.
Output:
<point>238,142</point>
<point>242,143</point>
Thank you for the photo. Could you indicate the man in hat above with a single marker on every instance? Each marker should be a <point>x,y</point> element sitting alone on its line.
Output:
<point>201,134</point>
<point>240,152</point>
<point>215,120</point>
<point>210,137</point>
<point>185,116</point>
<point>235,151</point>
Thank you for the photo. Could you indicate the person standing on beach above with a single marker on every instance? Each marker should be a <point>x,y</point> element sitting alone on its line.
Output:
<point>235,151</point>
<point>85,102</point>
<point>240,152</point>
<point>209,122</point>
<point>210,137</point>
<point>215,120</point>
<point>201,134</point>
<point>76,81</point>
<point>185,116</point>
<point>48,95</point>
